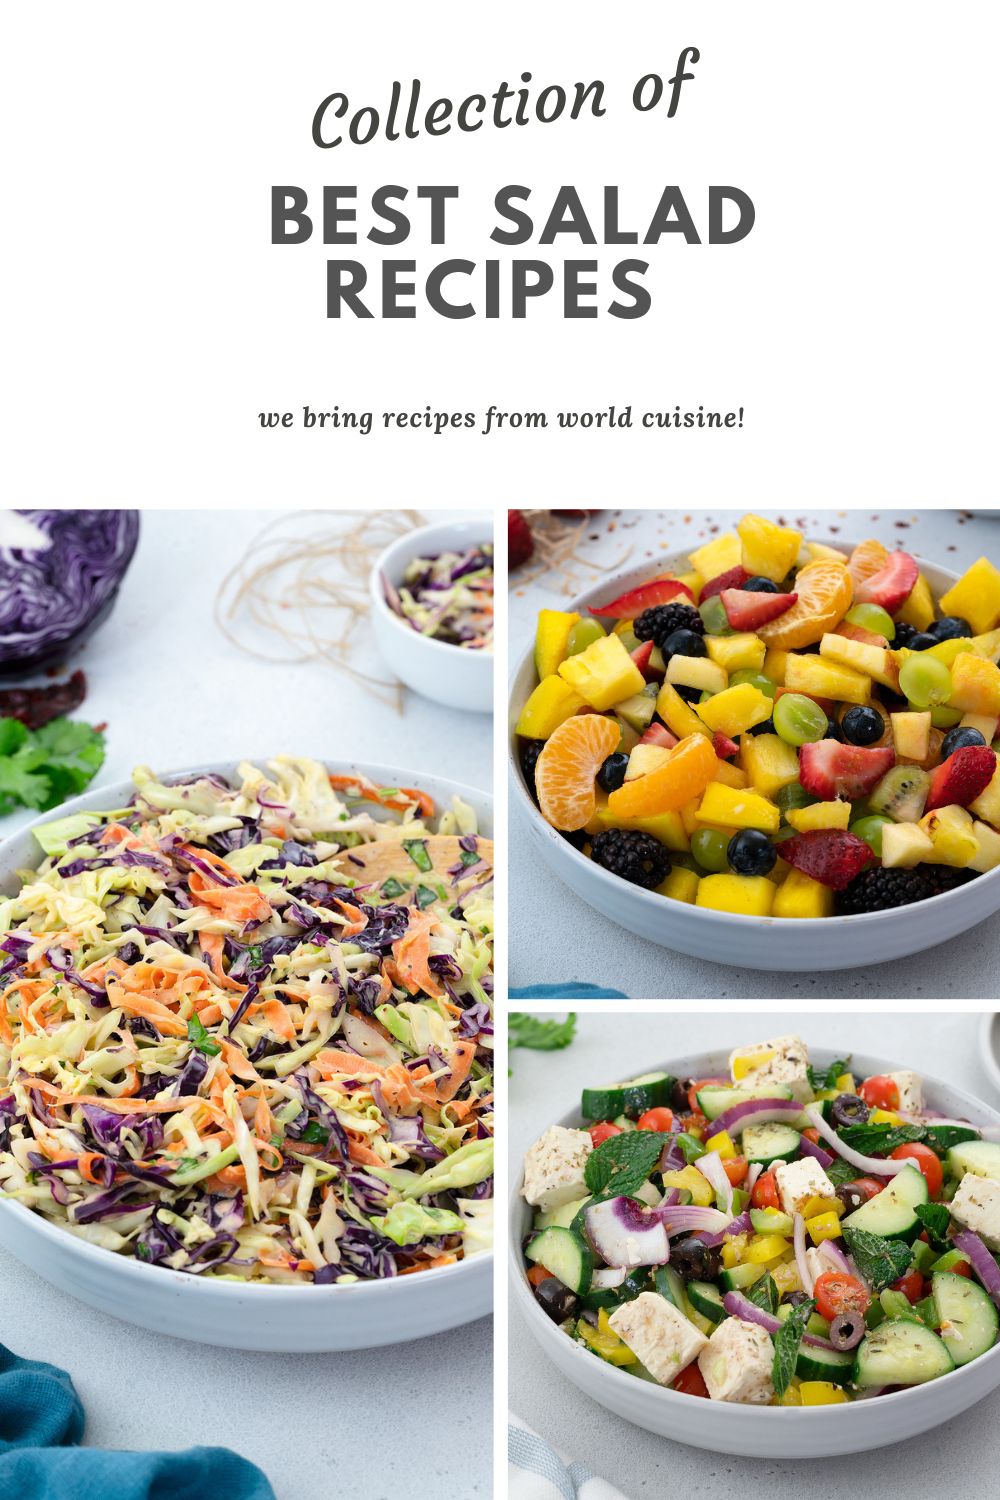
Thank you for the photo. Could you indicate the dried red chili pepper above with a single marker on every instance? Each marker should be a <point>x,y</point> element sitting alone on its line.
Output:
<point>39,705</point>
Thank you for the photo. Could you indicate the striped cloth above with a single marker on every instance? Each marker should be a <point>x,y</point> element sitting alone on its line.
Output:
<point>536,1471</point>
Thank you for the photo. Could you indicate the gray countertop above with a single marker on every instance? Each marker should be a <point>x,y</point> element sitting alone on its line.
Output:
<point>958,1455</point>
<point>175,693</point>
<point>542,909</point>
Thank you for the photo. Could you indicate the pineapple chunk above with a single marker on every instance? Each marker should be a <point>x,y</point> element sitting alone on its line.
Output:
<point>745,895</point>
<point>645,758</point>
<point>731,775</point>
<point>737,709</point>
<point>689,816</point>
<point>918,610</point>
<point>988,853</point>
<point>985,723</point>
<point>819,815</point>
<point>679,717</point>
<point>769,550</point>
<point>825,679</point>
<point>905,845</point>
<point>911,735</point>
<point>680,885</point>
<point>987,804</point>
<point>801,896</point>
<point>987,645</point>
<point>727,807</point>
<point>694,582</point>
<point>697,672</point>
<point>717,556</point>
<point>951,831</point>
<point>667,827</point>
<point>552,701</point>
<point>975,597</point>
<point>735,652</point>
<point>769,762</point>
<point>604,674</point>
<point>975,685</point>
<point>820,552</point>
<point>875,661</point>
<point>775,661</point>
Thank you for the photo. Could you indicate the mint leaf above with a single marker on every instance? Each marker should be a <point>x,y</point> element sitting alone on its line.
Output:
<point>935,1218</point>
<point>942,1137</point>
<point>538,1034</point>
<point>786,1344</point>
<point>840,1171</point>
<point>827,1079</point>
<point>880,1261</point>
<point>879,1139</point>
<point>620,1165</point>
<point>764,1294</point>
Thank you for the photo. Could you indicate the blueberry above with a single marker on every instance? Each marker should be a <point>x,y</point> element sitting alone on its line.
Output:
<point>751,852</point>
<point>689,694</point>
<point>759,585</point>
<point>834,731</point>
<point>766,728</point>
<point>949,628</point>
<point>921,641</point>
<point>862,726</point>
<point>612,772</point>
<point>683,643</point>
<point>958,738</point>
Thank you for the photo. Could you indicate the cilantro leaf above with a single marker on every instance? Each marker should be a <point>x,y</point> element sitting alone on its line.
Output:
<point>539,1034</point>
<point>880,1139</point>
<point>764,1294</point>
<point>880,1261</point>
<point>620,1165</point>
<point>200,1039</point>
<point>42,768</point>
<point>786,1345</point>
<point>935,1218</point>
<point>827,1079</point>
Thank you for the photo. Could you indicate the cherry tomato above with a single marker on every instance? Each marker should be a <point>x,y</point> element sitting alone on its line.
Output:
<point>961,1268</point>
<point>868,1185</point>
<point>836,1292</point>
<point>880,1092</point>
<point>911,1285</point>
<point>603,1132</point>
<point>538,1274</point>
<point>924,1158</point>
<point>691,1382</point>
<point>735,1168</point>
<point>694,1123</point>
<point>696,1084</point>
<point>656,1119</point>
<point>812,1134</point>
<point>765,1192</point>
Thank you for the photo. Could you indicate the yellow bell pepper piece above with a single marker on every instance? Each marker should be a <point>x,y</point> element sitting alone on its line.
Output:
<point>765,1247</point>
<point>732,1250</point>
<point>793,1395</point>
<point>722,1142</point>
<point>786,1277</point>
<point>823,1227</point>
<point>821,1393</point>
<point>885,1117</point>
<point>845,1083</point>
<point>689,1178</point>
<point>605,1342</point>
<point>816,1205</point>
<point>744,1065</point>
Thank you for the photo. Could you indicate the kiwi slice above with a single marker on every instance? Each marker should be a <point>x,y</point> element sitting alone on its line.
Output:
<point>901,794</point>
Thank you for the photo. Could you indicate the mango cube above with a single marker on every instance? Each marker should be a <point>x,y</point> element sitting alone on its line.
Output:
<point>801,896</point>
<point>918,610</point>
<point>769,550</point>
<point>826,679</point>
<point>975,597</point>
<point>744,895</point>
<point>666,827</point>
<point>552,701</point>
<point>775,661</point>
<point>769,761</point>
<point>911,735</point>
<point>717,556</point>
<point>680,885</point>
<point>737,652</point>
<point>604,674</point>
<point>552,639</point>
<point>736,709</point>
<point>975,685</point>
<point>819,815</point>
<point>727,807</point>
<point>679,717</point>
<point>950,830</point>
<point>731,775</point>
<point>697,672</point>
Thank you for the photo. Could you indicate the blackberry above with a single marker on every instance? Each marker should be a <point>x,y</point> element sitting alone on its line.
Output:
<point>662,620</point>
<point>530,751</point>
<point>904,634</point>
<point>578,838</point>
<point>878,888</point>
<point>634,856</point>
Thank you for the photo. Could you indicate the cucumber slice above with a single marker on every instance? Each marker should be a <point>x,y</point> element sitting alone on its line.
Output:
<point>738,1278</point>
<point>602,1103</point>
<point>813,1363</point>
<point>982,1158</point>
<point>670,1285</point>
<point>632,1098</point>
<point>949,1260</point>
<point>566,1255</point>
<point>890,1213</point>
<point>707,1299</point>
<point>967,1313</point>
<point>900,1352</point>
<point>714,1099</point>
<point>634,1284</point>
<point>558,1218</point>
<point>768,1143</point>
<point>771,1221</point>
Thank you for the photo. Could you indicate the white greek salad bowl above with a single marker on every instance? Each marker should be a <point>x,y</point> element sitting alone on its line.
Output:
<point>776,943</point>
<point>271,1319</point>
<point>449,675</point>
<point>759,1431</point>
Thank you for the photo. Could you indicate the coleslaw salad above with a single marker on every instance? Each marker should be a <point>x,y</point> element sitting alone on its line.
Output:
<point>448,597</point>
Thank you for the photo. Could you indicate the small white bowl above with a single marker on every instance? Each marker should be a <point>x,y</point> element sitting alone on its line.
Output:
<point>775,943</point>
<point>989,1046</point>
<point>451,675</point>
<point>272,1319</point>
<point>759,1431</point>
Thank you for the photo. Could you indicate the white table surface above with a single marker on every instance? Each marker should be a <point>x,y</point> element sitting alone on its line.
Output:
<point>605,954</point>
<point>957,1457</point>
<point>174,693</point>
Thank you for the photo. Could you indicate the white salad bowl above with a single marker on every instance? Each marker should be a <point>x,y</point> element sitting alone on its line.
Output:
<point>449,674</point>
<point>759,1431</point>
<point>778,943</point>
<point>272,1319</point>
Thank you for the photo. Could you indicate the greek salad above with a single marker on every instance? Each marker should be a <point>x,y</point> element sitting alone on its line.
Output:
<point>246,1027</point>
<point>448,598</point>
<point>786,1234</point>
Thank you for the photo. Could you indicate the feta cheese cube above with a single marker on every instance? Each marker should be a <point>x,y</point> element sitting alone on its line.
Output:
<point>736,1364</point>
<point>659,1336</point>
<point>788,1065</point>
<point>554,1168</point>
<point>911,1094</point>
<point>798,1181</point>
<point>976,1205</point>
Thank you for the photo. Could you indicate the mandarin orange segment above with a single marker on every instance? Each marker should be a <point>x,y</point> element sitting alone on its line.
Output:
<point>825,592</point>
<point>867,559</point>
<point>687,773</point>
<point>567,767</point>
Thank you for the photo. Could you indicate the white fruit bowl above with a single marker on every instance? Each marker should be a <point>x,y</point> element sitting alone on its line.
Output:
<point>274,1319</point>
<point>776,943</point>
<point>758,1431</point>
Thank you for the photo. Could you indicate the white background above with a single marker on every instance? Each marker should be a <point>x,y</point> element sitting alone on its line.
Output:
<point>149,319</point>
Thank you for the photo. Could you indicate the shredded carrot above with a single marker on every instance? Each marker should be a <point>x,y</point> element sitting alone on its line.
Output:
<point>368,792</point>
<point>85,1165</point>
<point>459,1065</point>
<point>279,1018</point>
<point>213,944</point>
<point>411,953</point>
<point>357,921</point>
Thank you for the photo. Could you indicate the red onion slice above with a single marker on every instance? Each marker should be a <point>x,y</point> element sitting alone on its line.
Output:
<point>981,1260</point>
<point>880,1166</point>
<point>738,1306</point>
<point>711,1168</point>
<point>799,1241</point>
<point>756,1112</point>
<point>809,1148</point>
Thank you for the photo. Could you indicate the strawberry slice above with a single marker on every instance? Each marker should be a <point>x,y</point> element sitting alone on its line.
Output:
<point>520,542</point>
<point>733,579</point>
<point>891,585</point>
<point>627,606</point>
<point>830,855</point>
<point>830,770</point>
<point>961,777</point>
<point>658,734</point>
<point>723,746</point>
<point>745,611</point>
<point>641,656</point>
<point>859,633</point>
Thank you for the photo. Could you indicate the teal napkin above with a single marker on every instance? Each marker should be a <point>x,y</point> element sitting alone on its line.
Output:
<point>41,1425</point>
<point>571,990</point>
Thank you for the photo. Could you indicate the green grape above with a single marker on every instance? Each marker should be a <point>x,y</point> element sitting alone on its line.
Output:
<point>925,681</point>
<point>585,632</point>
<point>713,617</point>
<point>945,718</point>
<point>709,847</point>
<point>794,795</point>
<point>872,617</point>
<point>870,829</point>
<point>996,746</point>
<point>756,679</point>
<point>798,720</point>
<point>706,693</point>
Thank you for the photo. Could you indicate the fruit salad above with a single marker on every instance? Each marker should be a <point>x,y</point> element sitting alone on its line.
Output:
<point>785,730</point>
<point>785,1234</point>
